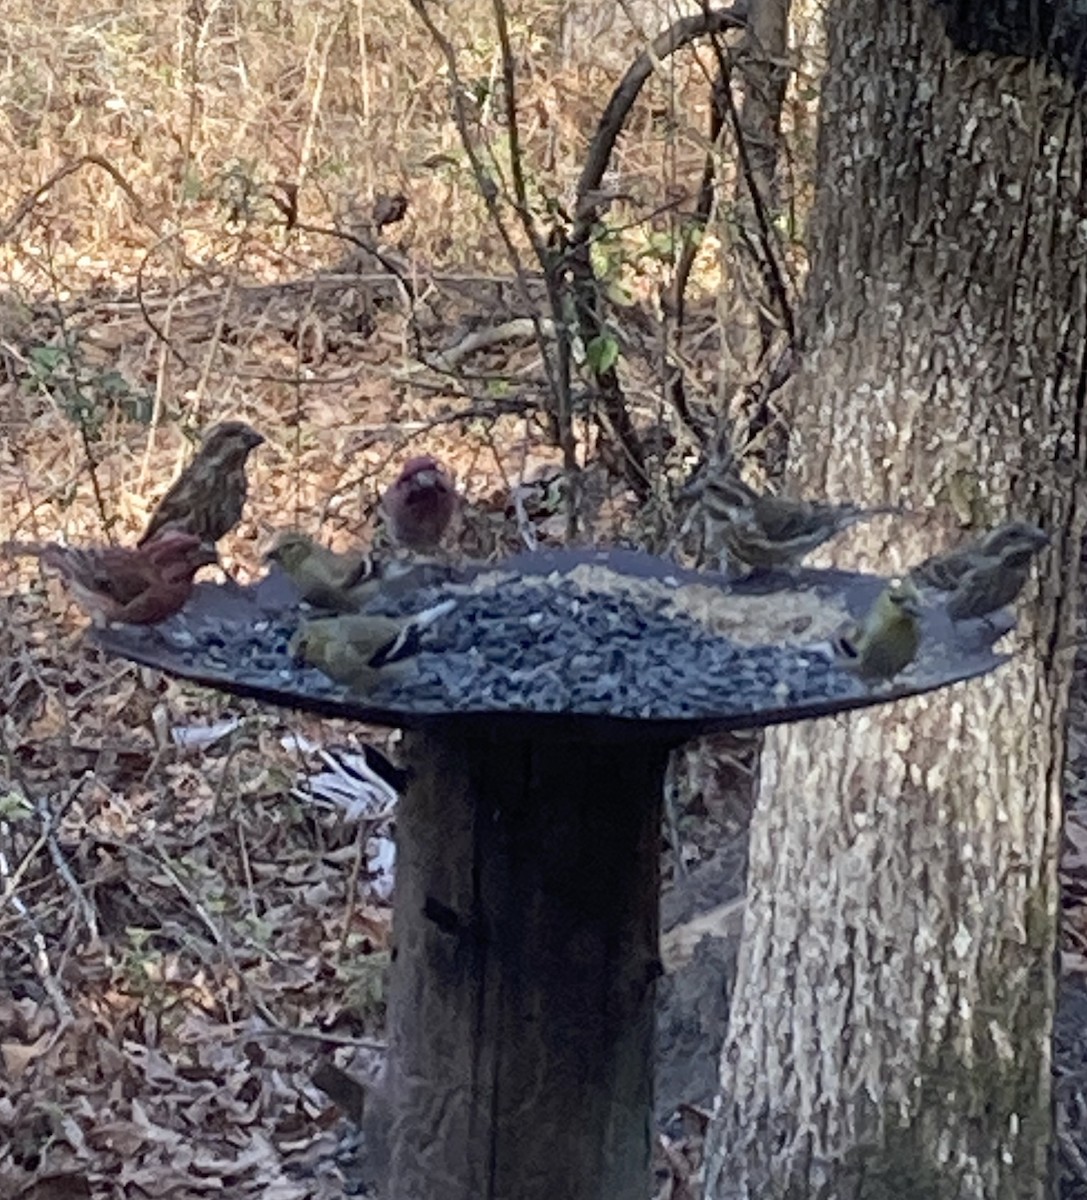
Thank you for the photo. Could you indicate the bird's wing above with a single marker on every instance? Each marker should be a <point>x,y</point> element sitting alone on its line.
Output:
<point>782,520</point>
<point>407,641</point>
<point>943,571</point>
<point>121,575</point>
<point>166,514</point>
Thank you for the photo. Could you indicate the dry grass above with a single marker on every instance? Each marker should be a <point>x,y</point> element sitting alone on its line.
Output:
<point>152,288</point>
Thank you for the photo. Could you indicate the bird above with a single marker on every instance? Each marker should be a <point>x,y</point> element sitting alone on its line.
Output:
<point>886,641</point>
<point>775,531</point>
<point>324,644</point>
<point>363,651</point>
<point>992,583</point>
<point>124,584</point>
<point>325,578</point>
<point>208,496</point>
<point>987,573</point>
<point>419,504</point>
<point>759,531</point>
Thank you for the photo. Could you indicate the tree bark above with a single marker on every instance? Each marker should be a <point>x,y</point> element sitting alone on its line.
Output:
<point>891,1023</point>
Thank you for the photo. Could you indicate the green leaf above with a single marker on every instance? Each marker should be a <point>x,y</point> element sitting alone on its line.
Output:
<point>48,357</point>
<point>14,807</point>
<point>602,353</point>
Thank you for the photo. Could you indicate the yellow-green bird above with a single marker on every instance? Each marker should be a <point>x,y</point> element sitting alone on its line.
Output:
<point>325,578</point>
<point>363,651</point>
<point>887,640</point>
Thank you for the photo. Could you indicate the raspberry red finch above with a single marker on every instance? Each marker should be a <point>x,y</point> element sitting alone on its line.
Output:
<point>207,498</point>
<point>137,586</point>
<point>420,504</point>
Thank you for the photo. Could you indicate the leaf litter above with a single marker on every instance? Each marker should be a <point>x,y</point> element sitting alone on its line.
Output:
<point>202,917</point>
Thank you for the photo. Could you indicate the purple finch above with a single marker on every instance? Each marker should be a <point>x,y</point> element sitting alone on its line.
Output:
<point>420,504</point>
<point>208,496</point>
<point>140,586</point>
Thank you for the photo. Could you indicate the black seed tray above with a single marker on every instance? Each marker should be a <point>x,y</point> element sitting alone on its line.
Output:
<point>541,647</point>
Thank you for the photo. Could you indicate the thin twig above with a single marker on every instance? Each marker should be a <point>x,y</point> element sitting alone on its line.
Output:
<point>362,834</point>
<point>40,955</point>
<point>50,819</point>
<point>678,35</point>
<point>487,189</point>
<point>558,374</point>
<point>775,277</point>
<point>28,203</point>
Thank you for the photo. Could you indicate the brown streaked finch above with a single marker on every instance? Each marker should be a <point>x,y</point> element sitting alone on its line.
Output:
<point>987,573</point>
<point>886,641</point>
<point>208,496</point>
<point>760,531</point>
<point>778,532</point>
<point>419,504</point>
<point>134,586</point>
<point>325,578</point>
<point>363,651</point>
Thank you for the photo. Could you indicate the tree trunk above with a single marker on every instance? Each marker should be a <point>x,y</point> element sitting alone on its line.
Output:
<point>891,1023</point>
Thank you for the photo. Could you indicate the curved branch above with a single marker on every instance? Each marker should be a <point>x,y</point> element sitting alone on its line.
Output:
<point>613,416</point>
<point>30,200</point>
<point>775,278</point>
<point>678,35</point>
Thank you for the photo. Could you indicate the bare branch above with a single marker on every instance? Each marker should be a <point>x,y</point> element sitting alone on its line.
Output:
<point>678,35</point>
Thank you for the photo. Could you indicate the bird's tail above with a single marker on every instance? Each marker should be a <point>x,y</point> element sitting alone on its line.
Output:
<point>407,640</point>
<point>23,549</point>
<point>850,514</point>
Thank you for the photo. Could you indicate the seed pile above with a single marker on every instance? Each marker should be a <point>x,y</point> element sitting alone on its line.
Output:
<point>527,645</point>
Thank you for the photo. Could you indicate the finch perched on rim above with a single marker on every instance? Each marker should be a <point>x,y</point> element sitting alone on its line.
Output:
<point>419,504</point>
<point>208,496</point>
<point>363,651</point>
<point>986,574</point>
<point>324,578</point>
<point>779,532</point>
<point>136,586</point>
<point>887,640</point>
<point>760,531</point>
